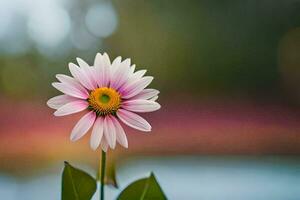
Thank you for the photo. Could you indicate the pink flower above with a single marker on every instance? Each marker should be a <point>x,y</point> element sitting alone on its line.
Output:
<point>110,92</point>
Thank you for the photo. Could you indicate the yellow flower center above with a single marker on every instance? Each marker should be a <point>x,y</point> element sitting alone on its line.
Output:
<point>104,101</point>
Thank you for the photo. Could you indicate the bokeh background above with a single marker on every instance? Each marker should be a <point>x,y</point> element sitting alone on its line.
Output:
<point>229,76</point>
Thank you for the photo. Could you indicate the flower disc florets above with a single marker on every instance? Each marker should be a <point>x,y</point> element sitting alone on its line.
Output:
<point>104,101</point>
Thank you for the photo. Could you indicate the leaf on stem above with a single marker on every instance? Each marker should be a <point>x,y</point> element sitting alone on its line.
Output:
<point>110,176</point>
<point>77,184</point>
<point>143,189</point>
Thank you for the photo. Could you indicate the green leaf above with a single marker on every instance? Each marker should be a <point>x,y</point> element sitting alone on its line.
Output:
<point>77,184</point>
<point>143,189</point>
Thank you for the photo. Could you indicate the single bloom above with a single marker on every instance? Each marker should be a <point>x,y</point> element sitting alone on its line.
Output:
<point>109,93</point>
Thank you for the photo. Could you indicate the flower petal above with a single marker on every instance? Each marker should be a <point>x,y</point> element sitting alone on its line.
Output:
<point>132,68</point>
<point>82,63</point>
<point>70,90</point>
<point>72,107</point>
<point>102,69</point>
<point>88,71</point>
<point>136,87</point>
<point>71,81</point>
<point>104,145</point>
<point>110,132</point>
<point>66,79</point>
<point>102,60</point>
<point>136,76</point>
<point>116,64</point>
<point>83,125</point>
<point>60,100</point>
<point>133,120</point>
<point>141,105</point>
<point>133,78</point>
<point>81,75</point>
<point>154,98</point>
<point>146,94</point>
<point>97,133</point>
<point>120,75</point>
<point>120,133</point>
<point>106,60</point>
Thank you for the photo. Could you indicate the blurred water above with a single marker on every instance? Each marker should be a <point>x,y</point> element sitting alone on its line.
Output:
<point>208,178</point>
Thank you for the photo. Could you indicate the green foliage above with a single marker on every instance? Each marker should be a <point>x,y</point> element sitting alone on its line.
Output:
<point>143,189</point>
<point>77,184</point>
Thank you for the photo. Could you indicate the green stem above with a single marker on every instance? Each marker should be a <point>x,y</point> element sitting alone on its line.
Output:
<point>102,174</point>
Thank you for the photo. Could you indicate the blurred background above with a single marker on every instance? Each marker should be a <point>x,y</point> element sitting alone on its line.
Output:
<point>229,76</point>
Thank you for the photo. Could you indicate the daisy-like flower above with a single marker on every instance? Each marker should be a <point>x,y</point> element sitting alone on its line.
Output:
<point>109,92</point>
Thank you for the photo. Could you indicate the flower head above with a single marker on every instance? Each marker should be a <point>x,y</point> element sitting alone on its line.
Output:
<point>109,92</point>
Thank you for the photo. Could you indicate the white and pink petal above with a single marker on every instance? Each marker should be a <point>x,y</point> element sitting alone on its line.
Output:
<point>146,94</point>
<point>116,64</point>
<point>109,132</point>
<point>102,69</point>
<point>81,75</point>
<point>136,87</point>
<point>83,125</point>
<point>120,133</point>
<point>71,108</point>
<point>133,120</point>
<point>68,80</point>
<point>89,71</point>
<point>60,100</point>
<point>140,105</point>
<point>154,98</point>
<point>97,133</point>
<point>131,71</point>
<point>71,90</point>
<point>104,144</point>
<point>136,76</point>
<point>120,75</point>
